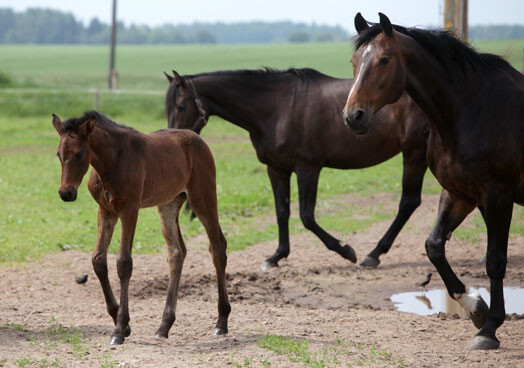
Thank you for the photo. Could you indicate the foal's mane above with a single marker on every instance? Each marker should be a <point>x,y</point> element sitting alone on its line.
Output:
<point>72,124</point>
<point>301,73</point>
<point>457,57</point>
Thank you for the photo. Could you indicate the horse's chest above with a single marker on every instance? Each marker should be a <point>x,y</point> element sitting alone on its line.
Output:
<point>455,175</point>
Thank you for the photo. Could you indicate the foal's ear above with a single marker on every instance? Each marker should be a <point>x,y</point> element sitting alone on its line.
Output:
<point>88,126</point>
<point>385,24</point>
<point>57,123</point>
<point>169,78</point>
<point>360,23</point>
<point>178,78</point>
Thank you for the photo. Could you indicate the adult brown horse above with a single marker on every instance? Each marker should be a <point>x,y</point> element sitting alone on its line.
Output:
<point>475,103</point>
<point>294,121</point>
<point>132,170</point>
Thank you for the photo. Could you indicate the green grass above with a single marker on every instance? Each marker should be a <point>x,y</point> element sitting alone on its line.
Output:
<point>340,353</point>
<point>34,221</point>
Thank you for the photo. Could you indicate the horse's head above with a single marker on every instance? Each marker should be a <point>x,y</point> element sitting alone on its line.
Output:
<point>184,108</point>
<point>74,154</point>
<point>379,72</point>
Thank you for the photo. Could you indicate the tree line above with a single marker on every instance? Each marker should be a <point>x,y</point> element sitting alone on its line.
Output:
<point>47,26</point>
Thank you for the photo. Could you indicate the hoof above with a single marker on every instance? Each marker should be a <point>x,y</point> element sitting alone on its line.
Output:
<point>116,340</point>
<point>480,315</point>
<point>127,331</point>
<point>483,343</point>
<point>219,331</point>
<point>349,253</point>
<point>268,264</point>
<point>369,262</point>
<point>160,336</point>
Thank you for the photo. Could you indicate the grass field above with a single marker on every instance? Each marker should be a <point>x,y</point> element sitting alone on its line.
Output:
<point>33,219</point>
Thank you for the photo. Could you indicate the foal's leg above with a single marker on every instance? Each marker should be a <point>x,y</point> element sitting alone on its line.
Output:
<point>106,225</point>
<point>280,184</point>
<point>176,253</point>
<point>414,169</point>
<point>124,266</point>
<point>498,209</point>
<point>203,201</point>
<point>452,211</point>
<point>307,179</point>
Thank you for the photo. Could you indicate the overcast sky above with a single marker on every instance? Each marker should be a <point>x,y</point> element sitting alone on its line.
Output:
<point>330,12</point>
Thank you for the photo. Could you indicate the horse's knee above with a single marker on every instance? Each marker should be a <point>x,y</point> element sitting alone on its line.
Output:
<point>308,220</point>
<point>410,204</point>
<point>99,263</point>
<point>283,214</point>
<point>435,248</point>
<point>496,266</point>
<point>124,267</point>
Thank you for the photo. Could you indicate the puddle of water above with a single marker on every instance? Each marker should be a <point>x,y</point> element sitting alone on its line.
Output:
<point>438,300</point>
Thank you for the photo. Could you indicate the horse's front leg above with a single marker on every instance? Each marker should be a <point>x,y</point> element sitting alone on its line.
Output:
<point>498,208</point>
<point>106,225</point>
<point>307,179</point>
<point>124,266</point>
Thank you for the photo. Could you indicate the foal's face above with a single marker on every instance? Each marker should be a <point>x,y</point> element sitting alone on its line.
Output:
<point>75,155</point>
<point>380,79</point>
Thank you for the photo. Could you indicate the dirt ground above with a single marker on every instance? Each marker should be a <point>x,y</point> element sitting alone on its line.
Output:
<point>313,295</point>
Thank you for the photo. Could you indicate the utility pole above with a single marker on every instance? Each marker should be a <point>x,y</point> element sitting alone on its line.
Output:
<point>113,76</point>
<point>456,16</point>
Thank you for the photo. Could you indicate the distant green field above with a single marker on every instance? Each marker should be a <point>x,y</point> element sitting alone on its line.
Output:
<point>34,221</point>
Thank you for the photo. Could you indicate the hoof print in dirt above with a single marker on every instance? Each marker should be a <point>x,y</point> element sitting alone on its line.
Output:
<point>267,265</point>
<point>219,332</point>
<point>483,343</point>
<point>480,315</point>
<point>81,279</point>
<point>116,340</point>
<point>349,253</point>
<point>369,262</point>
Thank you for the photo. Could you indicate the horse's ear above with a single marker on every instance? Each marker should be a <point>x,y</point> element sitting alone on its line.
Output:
<point>57,123</point>
<point>178,78</point>
<point>360,23</point>
<point>169,78</point>
<point>88,126</point>
<point>385,24</point>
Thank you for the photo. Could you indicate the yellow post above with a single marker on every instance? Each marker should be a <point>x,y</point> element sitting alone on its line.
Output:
<point>456,16</point>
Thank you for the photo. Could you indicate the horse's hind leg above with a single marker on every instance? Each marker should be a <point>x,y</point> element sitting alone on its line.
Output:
<point>106,226</point>
<point>307,179</point>
<point>452,211</point>
<point>498,209</point>
<point>412,178</point>
<point>203,201</point>
<point>176,253</point>
<point>280,184</point>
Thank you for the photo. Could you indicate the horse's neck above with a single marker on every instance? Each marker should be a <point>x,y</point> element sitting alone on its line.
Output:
<point>228,97</point>
<point>428,86</point>
<point>103,145</point>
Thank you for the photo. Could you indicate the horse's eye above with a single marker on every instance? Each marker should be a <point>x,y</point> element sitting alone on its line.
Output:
<point>79,155</point>
<point>181,107</point>
<point>383,61</point>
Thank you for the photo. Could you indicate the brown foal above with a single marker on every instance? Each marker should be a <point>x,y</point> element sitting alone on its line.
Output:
<point>132,170</point>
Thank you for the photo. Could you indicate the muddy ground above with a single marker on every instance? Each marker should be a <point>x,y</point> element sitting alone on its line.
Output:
<point>342,310</point>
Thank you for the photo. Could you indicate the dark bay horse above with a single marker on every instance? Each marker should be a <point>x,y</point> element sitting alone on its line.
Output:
<point>294,121</point>
<point>475,103</point>
<point>132,170</point>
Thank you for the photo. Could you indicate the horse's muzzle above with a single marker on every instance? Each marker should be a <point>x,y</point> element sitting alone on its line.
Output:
<point>358,120</point>
<point>68,195</point>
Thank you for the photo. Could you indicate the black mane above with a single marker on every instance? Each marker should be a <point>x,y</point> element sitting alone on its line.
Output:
<point>302,73</point>
<point>72,124</point>
<point>456,56</point>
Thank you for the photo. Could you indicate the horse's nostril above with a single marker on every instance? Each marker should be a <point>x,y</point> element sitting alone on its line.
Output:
<point>359,114</point>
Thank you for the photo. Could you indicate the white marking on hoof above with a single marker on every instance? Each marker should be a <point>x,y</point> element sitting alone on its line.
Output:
<point>468,302</point>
